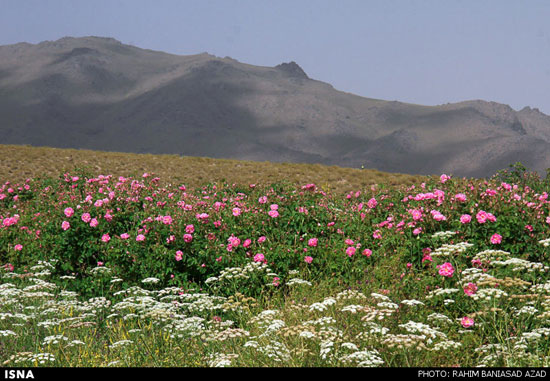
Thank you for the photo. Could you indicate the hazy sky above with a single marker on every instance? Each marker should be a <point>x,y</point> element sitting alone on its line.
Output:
<point>425,52</point>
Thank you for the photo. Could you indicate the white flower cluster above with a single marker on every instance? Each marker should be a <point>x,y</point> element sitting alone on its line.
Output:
<point>295,281</point>
<point>422,329</point>
<point>373,330</point>
<point>526,310</point>
<point>149,280</point>
<point>322,306</point>
<point>54,339</point>
<point>448,249</point>
<point>488,294</point>
<point>536,334</point>
<point>221,360</point>
<point>363,358</point>
<point>491,255</point>
<point>443,235</point>
<point>240,272</point>
<point>441,291</point>
<point>541,288</point>
<point>120,343</point>
<point>445,345</point>
<point>473,275</point>
<point>412,302</point>
<point>353,308</point>
<point>518,264</point>
<point>100,270</point>
<point>439,318</point>
<point>6,333</point>
<point>350,294</point>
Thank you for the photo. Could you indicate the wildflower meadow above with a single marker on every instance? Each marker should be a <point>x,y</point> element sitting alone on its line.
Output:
<point>101,271</point>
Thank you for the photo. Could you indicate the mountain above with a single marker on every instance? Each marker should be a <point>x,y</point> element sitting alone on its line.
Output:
<point>97,93</point>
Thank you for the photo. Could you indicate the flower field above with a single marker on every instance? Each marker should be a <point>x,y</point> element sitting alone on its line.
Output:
<point>120,271</point>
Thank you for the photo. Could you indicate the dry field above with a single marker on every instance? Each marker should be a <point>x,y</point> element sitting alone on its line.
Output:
<point>22,162</point>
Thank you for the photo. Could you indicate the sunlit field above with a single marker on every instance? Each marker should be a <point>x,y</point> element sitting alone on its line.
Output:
<point>22,162</point>
<point>112,270</point>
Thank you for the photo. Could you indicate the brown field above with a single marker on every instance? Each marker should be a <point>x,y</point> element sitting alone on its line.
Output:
<point>21,162</point>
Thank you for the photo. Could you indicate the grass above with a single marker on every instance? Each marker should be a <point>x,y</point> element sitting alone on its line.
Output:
<point>22,162</point>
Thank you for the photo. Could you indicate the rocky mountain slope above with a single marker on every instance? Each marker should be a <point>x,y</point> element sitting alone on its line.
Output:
<point>97,93</point>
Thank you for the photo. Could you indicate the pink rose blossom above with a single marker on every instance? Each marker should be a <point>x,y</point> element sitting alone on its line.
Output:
<point>496,239</point>
<point>312,242</point>
<point>140,238</point>
<point>372,203</point>
<point>308,259</point>
<point>481,217</point>
<point>460,197</point>
<point>69,212</point>
<point>465,218</point>
<point>446,269</point>
<point>65,225</point>
<point>259,258</point>
<point>105,237</point>
<point>86,217</point>
<point>470,289</point>
<point>467,322</point>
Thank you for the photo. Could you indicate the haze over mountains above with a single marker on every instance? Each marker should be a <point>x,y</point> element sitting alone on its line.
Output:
<point>97,93</point>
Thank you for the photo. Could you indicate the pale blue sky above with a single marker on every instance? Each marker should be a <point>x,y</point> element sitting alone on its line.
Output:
<point>425,52</point>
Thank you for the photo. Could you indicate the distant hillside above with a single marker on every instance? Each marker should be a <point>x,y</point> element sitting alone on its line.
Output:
<point>96,93</point>
<point>23,162</point>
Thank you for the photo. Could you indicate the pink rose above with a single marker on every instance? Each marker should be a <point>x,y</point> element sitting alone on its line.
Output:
<point>350,251</point>
<point>467,322</point>
<point>496,239</point>
<point>465,218</point>
<point>470,289</point>
<point>446,269</point>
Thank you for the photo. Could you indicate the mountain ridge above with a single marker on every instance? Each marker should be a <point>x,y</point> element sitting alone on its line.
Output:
<point>98,93</point>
